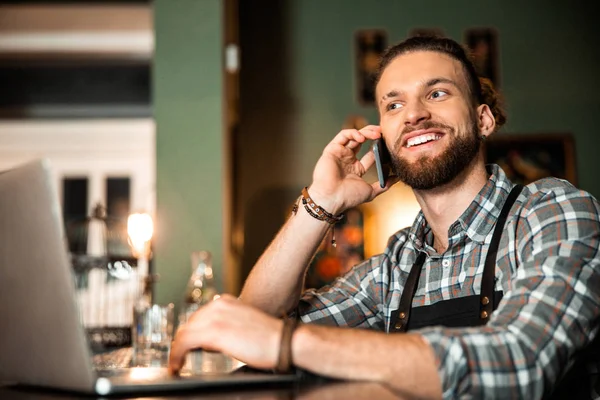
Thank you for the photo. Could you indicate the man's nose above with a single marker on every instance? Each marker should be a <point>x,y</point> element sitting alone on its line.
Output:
<point>417,113</point>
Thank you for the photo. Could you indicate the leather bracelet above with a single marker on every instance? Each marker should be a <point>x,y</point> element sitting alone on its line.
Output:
<point>284,361</point>
<point>317,211</point>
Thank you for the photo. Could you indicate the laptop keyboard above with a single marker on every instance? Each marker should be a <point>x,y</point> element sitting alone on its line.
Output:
<point>114,359</point>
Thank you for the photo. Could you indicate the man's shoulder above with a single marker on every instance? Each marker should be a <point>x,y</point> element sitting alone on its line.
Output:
<point>553,191</point>
<point>546,185</point>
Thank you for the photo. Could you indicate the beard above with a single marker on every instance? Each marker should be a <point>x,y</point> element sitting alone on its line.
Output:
<point>429,172</point>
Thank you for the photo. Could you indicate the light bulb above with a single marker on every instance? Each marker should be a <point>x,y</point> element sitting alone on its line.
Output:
<point>140,229</point>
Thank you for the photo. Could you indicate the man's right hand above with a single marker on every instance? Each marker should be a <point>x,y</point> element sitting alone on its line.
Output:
<point>277,280</point>
<point>337,179</point>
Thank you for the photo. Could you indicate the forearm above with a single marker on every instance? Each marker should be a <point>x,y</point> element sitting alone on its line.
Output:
<point>276,281</point>
<point>404,362</point>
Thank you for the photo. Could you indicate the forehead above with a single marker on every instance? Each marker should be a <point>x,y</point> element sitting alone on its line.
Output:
<point>414,69</point>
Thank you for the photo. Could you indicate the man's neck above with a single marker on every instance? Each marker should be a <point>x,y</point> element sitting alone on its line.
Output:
<point>443,205</point>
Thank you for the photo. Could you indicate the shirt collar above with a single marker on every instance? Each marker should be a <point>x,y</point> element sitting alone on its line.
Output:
<point>479,218</point>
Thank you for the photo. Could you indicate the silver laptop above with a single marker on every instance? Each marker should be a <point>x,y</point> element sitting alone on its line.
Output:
<point>42,340</point>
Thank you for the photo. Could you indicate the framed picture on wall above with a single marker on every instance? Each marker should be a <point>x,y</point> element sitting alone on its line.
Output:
<point>483,45</point>
<point>369,45</point>
<point>528,157</point>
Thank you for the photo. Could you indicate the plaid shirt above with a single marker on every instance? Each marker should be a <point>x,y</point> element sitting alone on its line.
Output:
<point>548,267</point>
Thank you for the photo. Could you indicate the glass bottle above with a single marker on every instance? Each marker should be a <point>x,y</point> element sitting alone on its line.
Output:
<point>141,340</point>
<point>201,287</point>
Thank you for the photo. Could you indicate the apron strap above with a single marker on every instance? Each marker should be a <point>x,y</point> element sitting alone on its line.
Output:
<point>488,279</point>
<point>399,320</point>
<point>400,317</point>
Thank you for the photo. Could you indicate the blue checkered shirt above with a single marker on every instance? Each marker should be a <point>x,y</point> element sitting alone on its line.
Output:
<point>548,267</point>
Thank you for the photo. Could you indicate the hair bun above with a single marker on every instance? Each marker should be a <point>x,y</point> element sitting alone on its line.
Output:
<point>492,98</point>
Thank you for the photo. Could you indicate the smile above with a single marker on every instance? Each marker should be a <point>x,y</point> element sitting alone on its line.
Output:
<point>417,140</point>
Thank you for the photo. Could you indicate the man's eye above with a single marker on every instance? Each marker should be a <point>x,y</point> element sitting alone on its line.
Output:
<point>438,93</point>
<point>394,106</point>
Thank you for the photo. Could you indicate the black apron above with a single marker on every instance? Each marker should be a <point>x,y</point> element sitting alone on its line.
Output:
<point>461,312</point>
<point>476,310</point>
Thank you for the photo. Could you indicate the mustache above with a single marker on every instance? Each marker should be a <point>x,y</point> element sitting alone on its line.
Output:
<point>424,125</point>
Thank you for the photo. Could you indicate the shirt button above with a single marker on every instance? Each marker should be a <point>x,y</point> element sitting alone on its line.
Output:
<point>446,263</point>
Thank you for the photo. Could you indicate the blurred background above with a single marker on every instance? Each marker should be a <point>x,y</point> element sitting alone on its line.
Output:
<point>209,115</point>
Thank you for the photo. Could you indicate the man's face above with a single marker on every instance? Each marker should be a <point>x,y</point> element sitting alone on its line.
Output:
<point>427,118</point>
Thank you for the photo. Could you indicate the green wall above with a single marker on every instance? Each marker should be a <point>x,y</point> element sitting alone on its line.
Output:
<point>188,97</point>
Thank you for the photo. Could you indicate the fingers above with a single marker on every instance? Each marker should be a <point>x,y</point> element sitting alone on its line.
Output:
<point>189,336</point>
<point>368,160</point>
<point>179,349</point>
<point>377,190</point>
<point>345,136</point>
<point>196,332</point>
<point>353,144</point>
<point>198,335</point>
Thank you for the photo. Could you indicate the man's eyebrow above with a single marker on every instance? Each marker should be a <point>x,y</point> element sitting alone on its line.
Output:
<point>435,81</point>
<point>429,83</point>
<point>391,93</point>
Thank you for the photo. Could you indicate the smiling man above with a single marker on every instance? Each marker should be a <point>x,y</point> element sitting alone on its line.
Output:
<point>491,293</point>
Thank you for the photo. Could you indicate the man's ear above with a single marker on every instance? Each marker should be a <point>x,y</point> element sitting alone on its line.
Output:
<point>485,120</point>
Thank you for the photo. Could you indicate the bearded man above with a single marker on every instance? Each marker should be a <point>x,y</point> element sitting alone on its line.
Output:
<point>491,293</point>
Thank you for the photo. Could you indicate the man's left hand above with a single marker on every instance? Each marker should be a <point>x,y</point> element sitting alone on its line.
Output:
<point>229,326</point>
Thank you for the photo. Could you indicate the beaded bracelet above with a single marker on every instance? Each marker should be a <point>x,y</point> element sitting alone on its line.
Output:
<point>318,212</point>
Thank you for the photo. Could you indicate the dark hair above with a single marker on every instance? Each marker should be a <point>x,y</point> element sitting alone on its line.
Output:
<point>482,90</point>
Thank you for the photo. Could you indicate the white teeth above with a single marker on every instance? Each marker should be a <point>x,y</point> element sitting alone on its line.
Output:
<point>422,139</point>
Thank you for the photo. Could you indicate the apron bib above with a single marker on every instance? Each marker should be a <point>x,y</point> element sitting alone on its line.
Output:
<point>461,312</point>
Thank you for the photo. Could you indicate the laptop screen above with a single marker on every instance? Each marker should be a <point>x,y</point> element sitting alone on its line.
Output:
<point>42,341</point>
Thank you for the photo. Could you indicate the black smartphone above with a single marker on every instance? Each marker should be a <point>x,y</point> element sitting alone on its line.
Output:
<point>382,161</point>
